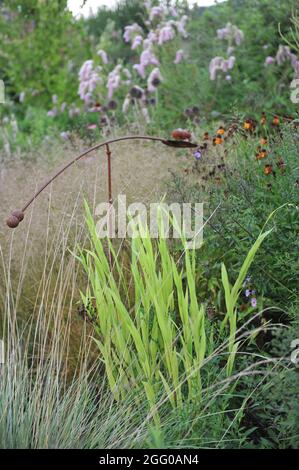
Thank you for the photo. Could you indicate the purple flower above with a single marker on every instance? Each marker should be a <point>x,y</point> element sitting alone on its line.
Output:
<point>166,34</point>
<point>88,79</point>
<point>137,41</point>
<point>197,154</point>
<point>181,25</point>
<point>156,12</point>
<point>103,56</point>
<point>140,69</point>
<point>65,135</point>
<point>231,62</point>
<point>231,33</point>
<point>269,60</point>
<point>248,292</point>
<point>113,81</point>
<point>130,30</point>
<point>147,57</point>
<point>52,113</point>
<point>253,302</point>
<point>179,56</point>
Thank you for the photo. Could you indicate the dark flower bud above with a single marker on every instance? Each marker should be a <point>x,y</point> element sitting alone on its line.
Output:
<point>136,92</point>
<point>112,104</point>
<point>12,221</point>
<point>188,112</point>
<point>104,121</point>
<point>156,82</point>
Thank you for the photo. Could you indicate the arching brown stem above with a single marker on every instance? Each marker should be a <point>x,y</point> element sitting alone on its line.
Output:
<point>17,216</point>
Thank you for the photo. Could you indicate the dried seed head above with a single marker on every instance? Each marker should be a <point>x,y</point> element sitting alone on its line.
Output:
<point>136,92</point>
<point>12,221</point>
<point>189,112</point>
<point>112,104</point>
<point>104,121</point>
<point>18,214</point>
<point>181,134</point>
<point>156,82</point>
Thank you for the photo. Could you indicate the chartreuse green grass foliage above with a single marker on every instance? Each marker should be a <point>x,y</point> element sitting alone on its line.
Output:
<point>155,337</point>
<point>232,295</point>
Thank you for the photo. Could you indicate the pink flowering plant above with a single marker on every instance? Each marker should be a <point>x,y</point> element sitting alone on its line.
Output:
<point>109,91</point>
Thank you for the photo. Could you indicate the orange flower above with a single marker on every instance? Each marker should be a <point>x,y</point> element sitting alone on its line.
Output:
<point>263,141</point>
<point>217,140</point>
<point>221,131</point>
<point>261,154</point>
<point>276,121</point>
<point>249,125</point>
<point>181,134</point>
<point>268,169</point>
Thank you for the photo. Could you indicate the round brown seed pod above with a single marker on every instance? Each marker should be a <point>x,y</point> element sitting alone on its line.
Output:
<point>12,221</point>
<point>18,214</point>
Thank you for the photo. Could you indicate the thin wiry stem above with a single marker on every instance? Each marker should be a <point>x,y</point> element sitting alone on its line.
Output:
<point>17,216</point>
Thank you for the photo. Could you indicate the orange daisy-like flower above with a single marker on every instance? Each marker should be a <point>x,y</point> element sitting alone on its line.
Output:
<point>263,119</point>
<point>261,154</point>
<point>276,121</point>
<point>181,134</point>
<point>221,131</point>
<point>249,125</point>
<point>217,140</point>
<point>268,169</point>
<point>263,141</point>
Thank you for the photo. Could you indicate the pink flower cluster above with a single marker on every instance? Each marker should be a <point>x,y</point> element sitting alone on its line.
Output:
<point>164,24</point>
<point>130,31</point>
<point>283,55</point>
<point>231,33</point>
<point>147,58</point>
<point>219,64</point>
<point>89,77</point>
<point>103,56</point>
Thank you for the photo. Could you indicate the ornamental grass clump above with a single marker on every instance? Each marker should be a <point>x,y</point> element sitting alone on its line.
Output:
<point>152,330</point>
